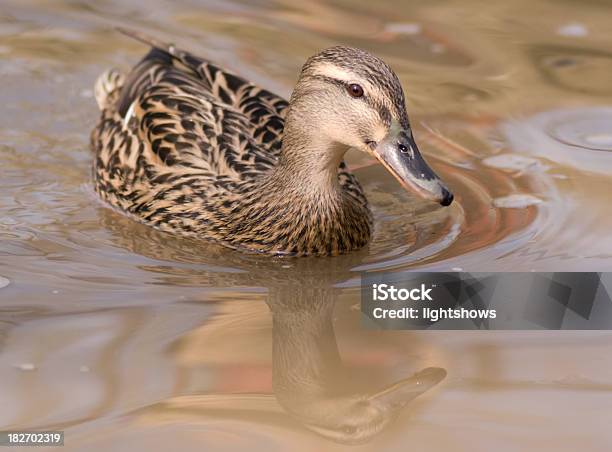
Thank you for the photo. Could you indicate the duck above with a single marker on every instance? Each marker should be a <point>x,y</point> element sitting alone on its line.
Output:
<point>190,148</point>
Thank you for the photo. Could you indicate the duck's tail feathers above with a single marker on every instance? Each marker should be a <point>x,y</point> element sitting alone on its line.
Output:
<point>107,88</point>
<point>146,39</point>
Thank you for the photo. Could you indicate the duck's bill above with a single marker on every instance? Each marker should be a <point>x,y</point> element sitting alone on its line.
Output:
<point>401,393</point>
<point>399,154</point>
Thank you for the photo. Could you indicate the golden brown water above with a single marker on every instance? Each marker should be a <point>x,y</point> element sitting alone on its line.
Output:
<point>129,339</point>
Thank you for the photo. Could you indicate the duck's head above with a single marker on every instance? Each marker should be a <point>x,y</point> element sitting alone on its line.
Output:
<point>357,418</point>
<point>353,99</point>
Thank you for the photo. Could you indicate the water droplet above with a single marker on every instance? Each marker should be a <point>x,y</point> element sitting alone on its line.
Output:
<point>84,369</point>
<point>26,367</point>
<point>457,269</point>
<point>4,282</point>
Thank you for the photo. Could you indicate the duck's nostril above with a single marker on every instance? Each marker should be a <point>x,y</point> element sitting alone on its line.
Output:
<point>447,197</point>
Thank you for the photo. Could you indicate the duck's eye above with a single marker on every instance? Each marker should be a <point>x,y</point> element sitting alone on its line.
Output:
<point>355,90</point>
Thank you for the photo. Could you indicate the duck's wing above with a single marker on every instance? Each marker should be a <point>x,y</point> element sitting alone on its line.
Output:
<point>264,110</point>
<point>178,134</point>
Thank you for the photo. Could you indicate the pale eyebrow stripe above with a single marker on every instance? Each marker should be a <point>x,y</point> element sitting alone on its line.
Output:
<point>333,71</point>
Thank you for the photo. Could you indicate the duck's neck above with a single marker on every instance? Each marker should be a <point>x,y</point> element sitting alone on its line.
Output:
<point>301,207</point>
<point>309,159</point>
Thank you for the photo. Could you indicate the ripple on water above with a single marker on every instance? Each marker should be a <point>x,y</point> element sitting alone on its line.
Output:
<point>588,129</point>
<point>579,137</point>
<point>514,162</point>
<point>575,69</point>
<point>516,201</point>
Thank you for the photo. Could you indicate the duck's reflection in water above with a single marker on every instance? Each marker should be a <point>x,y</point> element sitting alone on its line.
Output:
<point>309,379</point>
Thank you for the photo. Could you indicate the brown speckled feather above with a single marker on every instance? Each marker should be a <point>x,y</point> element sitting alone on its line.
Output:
<point>189,148</point>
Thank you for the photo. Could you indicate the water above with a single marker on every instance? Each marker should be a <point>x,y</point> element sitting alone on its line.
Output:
<point>129,339</point>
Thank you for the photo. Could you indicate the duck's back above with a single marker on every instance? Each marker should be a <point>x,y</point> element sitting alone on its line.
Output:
<point>178,126</point>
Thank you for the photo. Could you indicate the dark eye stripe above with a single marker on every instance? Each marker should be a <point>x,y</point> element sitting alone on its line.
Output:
<point>338,82</point>
<point>335,81</point>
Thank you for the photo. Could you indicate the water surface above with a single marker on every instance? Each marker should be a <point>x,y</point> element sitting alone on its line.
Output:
<point>130,339</point>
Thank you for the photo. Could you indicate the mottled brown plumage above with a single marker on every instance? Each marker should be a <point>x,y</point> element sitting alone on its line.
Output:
<point>190,148</point>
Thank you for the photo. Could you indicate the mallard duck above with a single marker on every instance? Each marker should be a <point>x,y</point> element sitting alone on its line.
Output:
<point>190,148</point>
